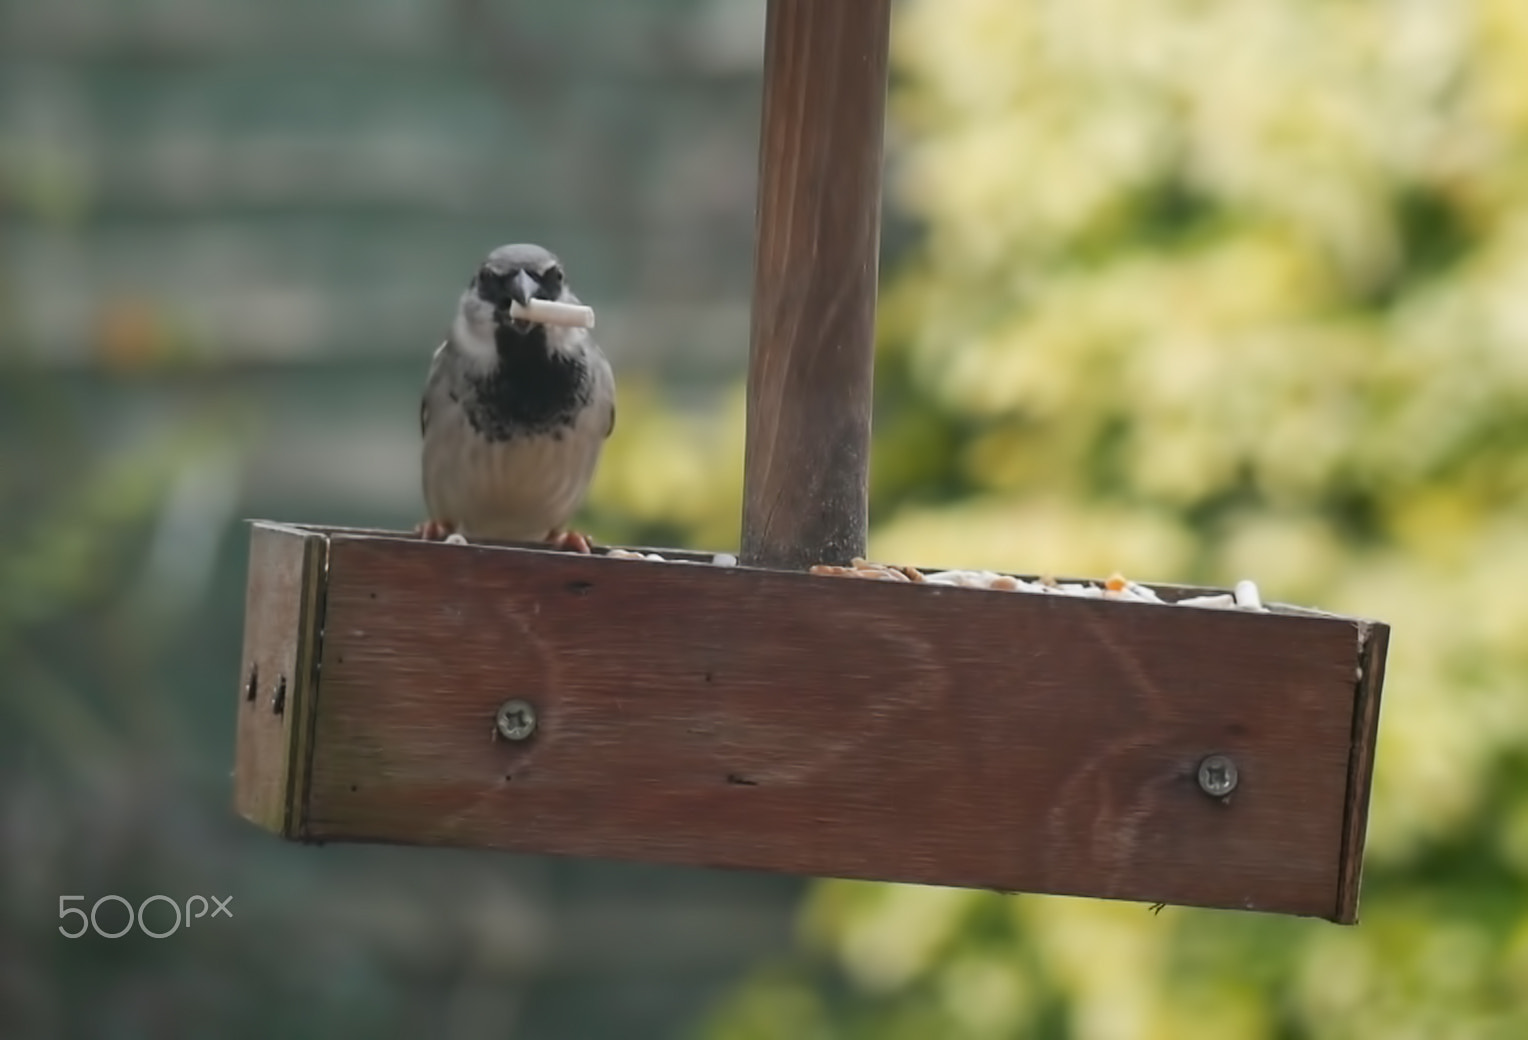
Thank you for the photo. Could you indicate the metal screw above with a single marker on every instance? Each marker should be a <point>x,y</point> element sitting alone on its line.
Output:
<point>516,720</point>
<point>1217,776</point>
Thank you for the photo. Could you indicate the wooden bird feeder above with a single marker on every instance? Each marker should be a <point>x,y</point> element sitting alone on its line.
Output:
<point>760,717</point>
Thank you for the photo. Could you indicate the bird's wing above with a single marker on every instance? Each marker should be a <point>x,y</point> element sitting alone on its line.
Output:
<point>432,387</point>
<point>604,380</point>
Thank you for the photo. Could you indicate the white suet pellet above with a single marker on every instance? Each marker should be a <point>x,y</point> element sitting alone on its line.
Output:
<point>1220,600</point>
<point>550,312</point>
<point>1247,596</point>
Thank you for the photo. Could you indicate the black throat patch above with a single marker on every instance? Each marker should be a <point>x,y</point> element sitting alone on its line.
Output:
<point>532,391</point>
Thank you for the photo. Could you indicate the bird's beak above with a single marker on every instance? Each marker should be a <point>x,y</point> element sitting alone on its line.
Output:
<point>519,289</point>
<point>522,288</point>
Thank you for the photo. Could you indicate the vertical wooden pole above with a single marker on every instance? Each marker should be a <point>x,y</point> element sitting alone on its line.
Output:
<point>807,461</point>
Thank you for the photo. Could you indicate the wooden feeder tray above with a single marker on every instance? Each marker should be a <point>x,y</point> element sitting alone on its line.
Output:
<point>511,697</point>
<point>740,717</point>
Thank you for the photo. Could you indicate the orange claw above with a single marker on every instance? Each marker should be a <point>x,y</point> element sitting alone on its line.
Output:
<point>435,530</point>
<point>571,541</point>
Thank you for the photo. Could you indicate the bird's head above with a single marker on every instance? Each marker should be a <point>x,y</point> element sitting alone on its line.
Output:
<point>516,274</point>
<point>484,330</point>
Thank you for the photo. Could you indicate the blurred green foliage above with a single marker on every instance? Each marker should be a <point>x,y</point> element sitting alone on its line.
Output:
<point>1208,291</point>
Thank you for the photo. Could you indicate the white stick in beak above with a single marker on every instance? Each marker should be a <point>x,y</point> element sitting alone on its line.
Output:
<point>549,312</point>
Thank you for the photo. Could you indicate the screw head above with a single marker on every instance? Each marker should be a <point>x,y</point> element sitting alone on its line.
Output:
<point>516,720</point>
<point>1217,776</point>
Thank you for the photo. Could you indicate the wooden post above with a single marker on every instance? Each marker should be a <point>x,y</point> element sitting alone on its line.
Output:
<point>807,462</point>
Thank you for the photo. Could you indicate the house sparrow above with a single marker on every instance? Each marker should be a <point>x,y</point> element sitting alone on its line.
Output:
<point>515,413</point>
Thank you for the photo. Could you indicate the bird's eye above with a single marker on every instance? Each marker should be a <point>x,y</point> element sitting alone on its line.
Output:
<point>489,283</point>
<point>551,278</point>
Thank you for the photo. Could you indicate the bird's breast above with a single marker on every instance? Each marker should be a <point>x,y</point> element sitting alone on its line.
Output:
<point>519,488</point>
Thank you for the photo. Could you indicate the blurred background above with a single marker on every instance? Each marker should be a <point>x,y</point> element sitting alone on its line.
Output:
<point>1193,291</point>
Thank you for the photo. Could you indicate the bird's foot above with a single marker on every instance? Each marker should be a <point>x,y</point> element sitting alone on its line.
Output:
<point>435,530</point>
<point>571,541</point>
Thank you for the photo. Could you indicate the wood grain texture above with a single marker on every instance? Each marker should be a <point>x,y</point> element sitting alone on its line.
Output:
<point>732,717</point>
<point>1373,653</point>
<point>281,625</point>
<point>807,459</point>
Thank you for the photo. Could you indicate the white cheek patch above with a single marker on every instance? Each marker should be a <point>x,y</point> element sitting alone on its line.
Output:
<point>474,338</point>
